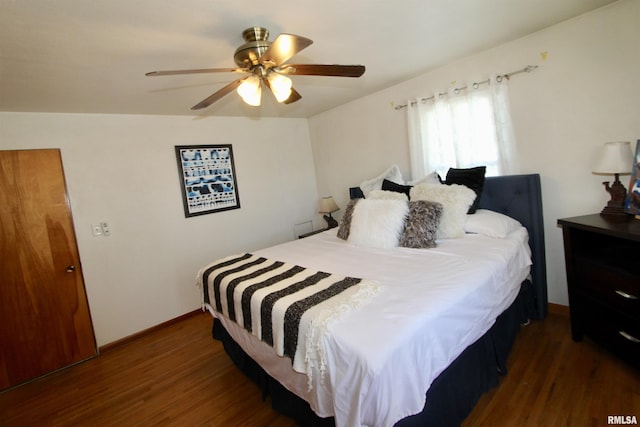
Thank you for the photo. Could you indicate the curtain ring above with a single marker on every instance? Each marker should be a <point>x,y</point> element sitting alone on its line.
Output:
<point>476,85</point>
<point>499,78</point>
<point>456,91</point>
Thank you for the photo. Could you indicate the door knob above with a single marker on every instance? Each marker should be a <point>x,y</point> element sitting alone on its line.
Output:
<point>71,269</point>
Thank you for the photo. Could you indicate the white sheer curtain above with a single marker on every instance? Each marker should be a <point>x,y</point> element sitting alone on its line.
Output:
<point>462,128</point>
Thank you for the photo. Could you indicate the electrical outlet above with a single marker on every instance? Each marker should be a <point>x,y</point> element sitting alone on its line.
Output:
<point>105,228</point>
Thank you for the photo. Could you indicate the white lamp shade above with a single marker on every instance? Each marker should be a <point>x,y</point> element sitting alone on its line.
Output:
<point>328,205</point>
<point>251,90</point>
<point>280,86</point>
<point>616,158</point>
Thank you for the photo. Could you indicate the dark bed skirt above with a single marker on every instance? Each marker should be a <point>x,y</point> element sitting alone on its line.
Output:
<point>452,395</point>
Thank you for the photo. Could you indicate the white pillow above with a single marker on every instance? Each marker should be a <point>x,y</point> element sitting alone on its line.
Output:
<point>431,178</point>
<point>387,195</point>
<point>455,200</point>
<point>391,174</point>
<point>490,223</point>
<point>377,223</point>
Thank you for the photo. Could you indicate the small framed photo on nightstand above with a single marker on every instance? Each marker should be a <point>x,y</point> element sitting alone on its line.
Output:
<point>632,204</point>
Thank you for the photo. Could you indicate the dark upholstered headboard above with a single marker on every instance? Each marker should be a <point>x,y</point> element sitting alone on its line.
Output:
<point>520,197</point>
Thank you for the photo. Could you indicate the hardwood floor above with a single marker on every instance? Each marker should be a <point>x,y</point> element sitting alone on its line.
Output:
<point>176,376</point>
<point>179,376</point>
<point>554,381</point>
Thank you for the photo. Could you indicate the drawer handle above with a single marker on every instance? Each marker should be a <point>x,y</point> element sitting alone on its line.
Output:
<point>626,295</point>
<point>629,337</point>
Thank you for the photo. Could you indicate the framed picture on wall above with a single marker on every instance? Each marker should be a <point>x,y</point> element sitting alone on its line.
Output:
<point>632,204</point>
<point>207,178</point>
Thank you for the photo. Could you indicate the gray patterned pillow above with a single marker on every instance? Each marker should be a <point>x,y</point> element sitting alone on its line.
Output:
<point>345,221</point>
<point>455,200</point>
<point>421,224</point>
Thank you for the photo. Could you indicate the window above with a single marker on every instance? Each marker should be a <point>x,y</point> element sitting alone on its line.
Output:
<point>467,127</point>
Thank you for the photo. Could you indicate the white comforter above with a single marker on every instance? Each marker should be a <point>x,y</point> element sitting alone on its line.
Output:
<point>383,357</point>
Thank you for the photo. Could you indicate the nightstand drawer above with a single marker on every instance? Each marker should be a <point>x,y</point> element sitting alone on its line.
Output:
<point>609,286</point>
<point>620,334</point>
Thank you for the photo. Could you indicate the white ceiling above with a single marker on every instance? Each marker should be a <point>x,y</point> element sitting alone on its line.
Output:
<point>90,56</point>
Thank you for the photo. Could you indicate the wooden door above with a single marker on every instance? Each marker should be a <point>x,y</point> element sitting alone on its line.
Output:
<point>44,316</point>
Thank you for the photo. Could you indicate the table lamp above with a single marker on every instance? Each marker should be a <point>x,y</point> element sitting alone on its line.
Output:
<point>327,206</point>
<point>616,159</point>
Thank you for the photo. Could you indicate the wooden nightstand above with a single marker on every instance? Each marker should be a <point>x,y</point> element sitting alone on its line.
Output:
<point>603,275</point>
<point>311,233</point>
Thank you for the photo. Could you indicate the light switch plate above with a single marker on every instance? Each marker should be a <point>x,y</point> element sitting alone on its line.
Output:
<point>96,229</point>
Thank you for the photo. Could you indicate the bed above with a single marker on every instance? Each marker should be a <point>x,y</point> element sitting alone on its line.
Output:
<point>385,360</point>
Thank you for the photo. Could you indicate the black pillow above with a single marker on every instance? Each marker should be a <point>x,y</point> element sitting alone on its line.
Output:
<point>356,193</point>
<point>472,178</point>
<point>398,188</point>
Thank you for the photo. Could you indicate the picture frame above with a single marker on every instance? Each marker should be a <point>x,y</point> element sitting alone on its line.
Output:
<point>207,178</point>
<point>632,203</point>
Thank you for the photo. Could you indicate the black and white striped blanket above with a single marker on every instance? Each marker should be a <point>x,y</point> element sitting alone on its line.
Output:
<point>287,306</point>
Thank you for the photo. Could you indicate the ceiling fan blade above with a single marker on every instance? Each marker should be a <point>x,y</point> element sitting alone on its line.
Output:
<point>323,70</point>
<point>198,71</point>
<point>219,94</point>
<point>295,96</point>
<point>284,47</point>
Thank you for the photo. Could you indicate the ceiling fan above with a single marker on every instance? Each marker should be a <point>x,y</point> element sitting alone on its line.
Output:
<point>265,62</point>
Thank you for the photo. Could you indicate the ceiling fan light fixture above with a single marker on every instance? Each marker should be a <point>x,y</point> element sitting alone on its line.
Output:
<point>266,62</point>
<point>280,86</point>
<point>251,91</point>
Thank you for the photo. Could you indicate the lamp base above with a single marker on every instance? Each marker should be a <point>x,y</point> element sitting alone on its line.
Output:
<point>613,211</point>
<point>615,206</point>
<point>331,221</point>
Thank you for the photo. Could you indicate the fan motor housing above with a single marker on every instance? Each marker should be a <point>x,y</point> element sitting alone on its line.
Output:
<point>255,45</point>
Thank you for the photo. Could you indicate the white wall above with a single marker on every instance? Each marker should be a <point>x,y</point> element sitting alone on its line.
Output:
<point>123,170</point>
<point>585,93</point>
